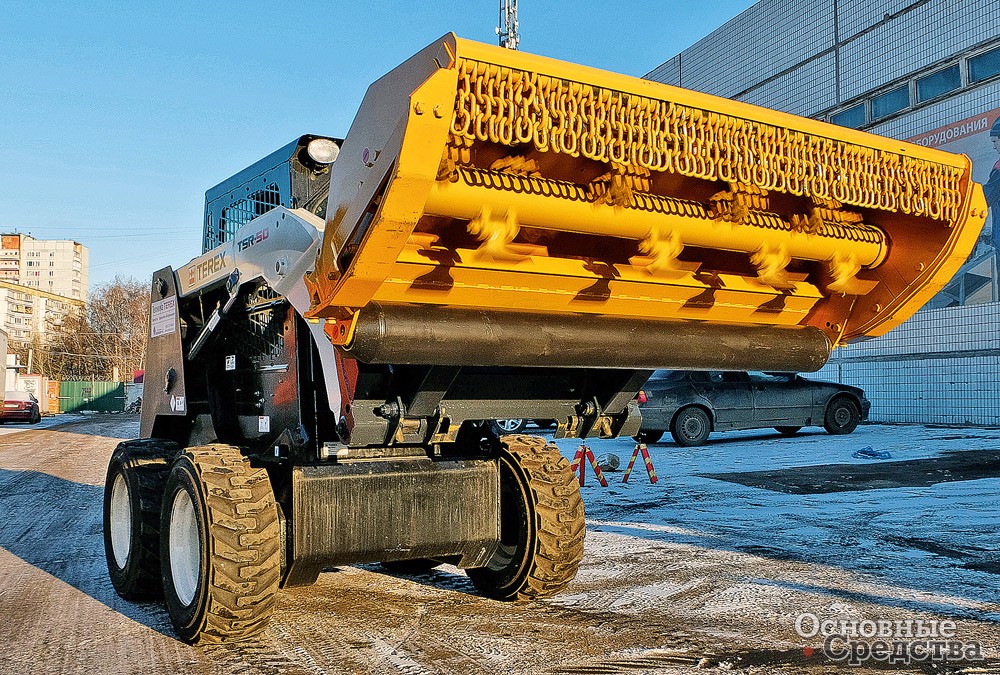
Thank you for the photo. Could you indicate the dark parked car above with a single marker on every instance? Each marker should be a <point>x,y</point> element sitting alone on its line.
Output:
<point>690,404</point>
<point>20,406</point>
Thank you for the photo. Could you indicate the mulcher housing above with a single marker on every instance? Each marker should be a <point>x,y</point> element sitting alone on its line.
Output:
<point>508,236</point>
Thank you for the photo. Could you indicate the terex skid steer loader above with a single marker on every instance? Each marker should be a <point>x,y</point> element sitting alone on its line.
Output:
<point>499,235</point>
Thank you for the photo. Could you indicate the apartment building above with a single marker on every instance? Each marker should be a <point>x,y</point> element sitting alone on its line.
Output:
<point>41,282</point>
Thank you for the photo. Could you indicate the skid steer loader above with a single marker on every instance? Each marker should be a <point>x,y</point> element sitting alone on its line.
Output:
<point>498,236</point>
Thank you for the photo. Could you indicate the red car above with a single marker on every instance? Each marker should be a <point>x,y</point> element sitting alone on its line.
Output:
<point>20,406</point>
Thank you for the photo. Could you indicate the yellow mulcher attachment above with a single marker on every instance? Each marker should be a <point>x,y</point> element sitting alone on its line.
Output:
<point>484,198</point>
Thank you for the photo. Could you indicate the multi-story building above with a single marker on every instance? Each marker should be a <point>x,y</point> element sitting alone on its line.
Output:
<point>41,283</point>
<point>927,71</point>
<point>56,266</point>
<point>26,313</point>
<point>10,257</point>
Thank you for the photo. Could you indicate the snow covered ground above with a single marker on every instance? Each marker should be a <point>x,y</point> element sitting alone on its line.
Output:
<point>925,520</point>
<point>705,571</point>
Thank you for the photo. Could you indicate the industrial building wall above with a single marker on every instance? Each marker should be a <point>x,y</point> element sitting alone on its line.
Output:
<point>820,57</point>
<point>809,56</point>
<point>942,366</point>
<point>916,35</point>
<point>940,113</point>
<point>771,39</point>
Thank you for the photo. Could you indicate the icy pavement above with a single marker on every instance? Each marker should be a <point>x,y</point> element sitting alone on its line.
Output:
<point>47,422</point>
<point>706,571</point>
<point>923,523</point>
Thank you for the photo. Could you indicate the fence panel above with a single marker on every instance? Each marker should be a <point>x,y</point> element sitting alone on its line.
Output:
<point>91,396</point>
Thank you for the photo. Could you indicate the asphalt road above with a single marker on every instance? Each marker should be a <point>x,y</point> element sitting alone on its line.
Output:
<point>705,571</point>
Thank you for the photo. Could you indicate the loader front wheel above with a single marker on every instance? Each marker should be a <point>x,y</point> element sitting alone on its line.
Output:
<point>541,524</point>
<point>133,491</point>
<point>219,546</point>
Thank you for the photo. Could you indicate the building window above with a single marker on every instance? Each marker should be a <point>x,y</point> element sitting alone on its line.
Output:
<point>891,102</point>
<point>853,117</point>
<point>984,66</point>
<point>936,84</point>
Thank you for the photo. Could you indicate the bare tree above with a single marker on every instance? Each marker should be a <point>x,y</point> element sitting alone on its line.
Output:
<point>105,339</point>
<point>60,352</point>
<point>118,318</point>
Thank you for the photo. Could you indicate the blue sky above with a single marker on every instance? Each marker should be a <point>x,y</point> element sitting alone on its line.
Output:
<point>115,117</point>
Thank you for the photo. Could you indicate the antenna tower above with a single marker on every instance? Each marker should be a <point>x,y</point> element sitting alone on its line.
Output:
<point>508,24</point>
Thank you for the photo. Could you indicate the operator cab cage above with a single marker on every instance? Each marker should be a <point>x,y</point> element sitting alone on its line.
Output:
<point>287,177</point>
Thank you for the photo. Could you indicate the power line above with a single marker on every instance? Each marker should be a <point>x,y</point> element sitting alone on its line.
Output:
<point>159,254</point>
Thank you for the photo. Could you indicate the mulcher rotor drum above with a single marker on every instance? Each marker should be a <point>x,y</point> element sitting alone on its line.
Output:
<point>410,334</point>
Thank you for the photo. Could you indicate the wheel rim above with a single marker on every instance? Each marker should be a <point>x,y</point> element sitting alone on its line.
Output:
<point>842,415</point>
<point>185,547</point>
<point>120,521</point>
<point>692,427</point>
<point>514,525</point>
<point>509,425</point>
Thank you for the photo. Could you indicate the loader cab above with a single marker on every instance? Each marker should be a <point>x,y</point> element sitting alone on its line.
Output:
<point>295,176</point>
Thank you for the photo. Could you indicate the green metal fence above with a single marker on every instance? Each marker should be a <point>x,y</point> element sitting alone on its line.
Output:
<point>92,396</point>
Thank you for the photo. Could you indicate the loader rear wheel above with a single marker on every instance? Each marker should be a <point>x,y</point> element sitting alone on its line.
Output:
<point>541,524</point>
<point>133,491</point>
<point>219,546</point>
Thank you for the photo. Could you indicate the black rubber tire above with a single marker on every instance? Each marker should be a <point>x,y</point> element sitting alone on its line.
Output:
<point>36,418</point>
<point>239,546</point>
<point>513,426</point>
<point>542,524</point>
<point>143,465</point>
<point>842,416</point>
<point>414,566</point>
<point>691,426</point>
<point>648,436</point>
<point>788,431</point>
